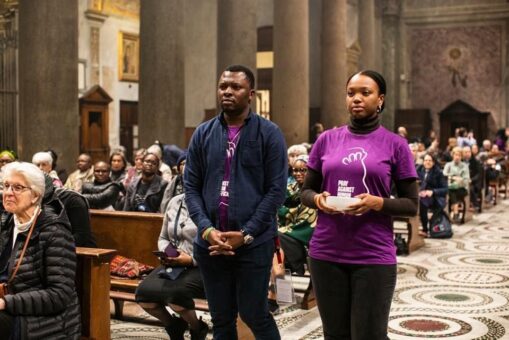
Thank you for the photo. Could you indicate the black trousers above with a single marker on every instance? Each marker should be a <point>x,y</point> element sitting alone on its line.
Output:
<point>295,253</point>
<point>354,301</point>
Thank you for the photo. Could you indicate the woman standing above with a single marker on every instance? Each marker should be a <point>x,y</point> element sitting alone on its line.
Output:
<point>41,302</point>
<point>353,257</point>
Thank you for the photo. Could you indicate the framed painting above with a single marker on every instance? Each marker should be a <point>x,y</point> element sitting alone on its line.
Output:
<point>128,57</point>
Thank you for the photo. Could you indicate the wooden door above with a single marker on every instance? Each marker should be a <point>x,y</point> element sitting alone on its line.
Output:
<point>129,127</point>
<point>94,132</point>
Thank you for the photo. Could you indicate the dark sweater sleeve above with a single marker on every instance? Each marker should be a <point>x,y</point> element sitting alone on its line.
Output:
<point>312,186</point>
<point>407,202</point>
<point>405,205</point>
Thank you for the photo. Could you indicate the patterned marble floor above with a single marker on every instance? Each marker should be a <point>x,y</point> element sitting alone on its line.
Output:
<point>455,289</point>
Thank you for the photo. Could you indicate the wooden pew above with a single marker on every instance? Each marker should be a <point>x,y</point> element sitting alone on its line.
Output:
<point>414,240</point>
<point>134,235</point>
<point>93,287</point>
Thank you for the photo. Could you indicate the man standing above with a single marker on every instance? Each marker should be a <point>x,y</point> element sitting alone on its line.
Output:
<point>235,180</point>
<point>84,173</point>
<point>476,172</point>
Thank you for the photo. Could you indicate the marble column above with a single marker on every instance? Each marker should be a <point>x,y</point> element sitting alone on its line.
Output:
<point>48,79</point>
<point>367,34</point>
<point>236,38</point>
<point>290,97</point>
<point>334,64</point>
<point>390,52</point>
<point>161,93</point>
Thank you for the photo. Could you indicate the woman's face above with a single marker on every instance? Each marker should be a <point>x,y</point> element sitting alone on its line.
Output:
<point>17,196</point>
<point>292,156</point>
<point>117,163</point>
<point>138,161</point>
<point>299,171</point>
<point>5,159</point>
<point>428,162</point>
<point>44,166</point>
<point>362,96</point>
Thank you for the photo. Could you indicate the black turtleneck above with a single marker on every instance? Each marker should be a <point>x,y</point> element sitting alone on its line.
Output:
<point>364,125</point>
<point>407,189</point>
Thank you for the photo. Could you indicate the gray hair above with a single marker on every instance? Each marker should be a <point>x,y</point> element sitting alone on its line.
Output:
<point>156,150</point>
<point>42,157</point>
<point>298,148</point>
<point>32,175</point>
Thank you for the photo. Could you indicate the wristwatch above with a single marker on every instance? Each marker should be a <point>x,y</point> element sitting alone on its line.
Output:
<point>248,239</point>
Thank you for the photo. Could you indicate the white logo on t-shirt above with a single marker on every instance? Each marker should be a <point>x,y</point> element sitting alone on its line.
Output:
<point>358,155</point>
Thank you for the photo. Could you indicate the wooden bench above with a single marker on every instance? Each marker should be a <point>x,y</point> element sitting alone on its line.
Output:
<point>135,235</point>
<point>410,227</point>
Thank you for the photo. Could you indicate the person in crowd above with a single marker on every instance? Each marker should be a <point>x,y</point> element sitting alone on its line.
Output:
<point>352,254</point>
<point>41,301</point>
<point>316,131</point>
<point>413,149</point>
<point>294,151</point>
<point>496,154</point>
<point>475,170</point>
<point>103,193</point>
<point>61,172</point>
<point>44,161</point>
<point>84,173</point>
<point>296,221</point>
<point>501,138</point>
<point>135,171</point>
<point>176,186</point>
<point>164,169</point>
<point>432,190</point>
<point>157,290</point>
<point>452,142</point>
<point>403,132</point>
<point>146,192</point>
<point>432,136</point>
<point>475,151</point>
<point>6,157</point>
<point>118,165</point>
<point>233,194</point>
<point>458,177</point>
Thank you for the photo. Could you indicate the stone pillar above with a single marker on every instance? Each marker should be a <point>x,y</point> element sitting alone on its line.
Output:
<point>367,34</point>
<point>290,97</point>
<point>236,38</point>
<point>161,95</point>
<point>334,64</point>
<point>390,52</point>
<point>48,79</point>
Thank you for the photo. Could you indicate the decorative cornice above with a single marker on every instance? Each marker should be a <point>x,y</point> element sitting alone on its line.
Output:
<point>480,12</point>
<point>94,15</point>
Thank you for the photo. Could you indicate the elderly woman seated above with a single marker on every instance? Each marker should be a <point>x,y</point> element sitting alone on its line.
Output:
<point>458,176</point>
<point>296,221</point>
<point>432,190</point>
<point>103,193</point>
<point>41,300</point>
<point>44,161</point>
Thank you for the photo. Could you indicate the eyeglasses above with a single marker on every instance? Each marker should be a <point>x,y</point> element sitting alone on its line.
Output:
<point>302,170</point>
<point>6,161</point>
<point>101,171</point>
<point>148,161</point>
<point>16,188</point>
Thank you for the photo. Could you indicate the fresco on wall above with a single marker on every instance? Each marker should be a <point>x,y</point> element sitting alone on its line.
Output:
<point>122,8</point>
<point>451,63</point>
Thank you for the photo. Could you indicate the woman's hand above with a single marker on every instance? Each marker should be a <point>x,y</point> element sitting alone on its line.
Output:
<point>320,202</point>
<point>183,260</point>
<point>368,202</point>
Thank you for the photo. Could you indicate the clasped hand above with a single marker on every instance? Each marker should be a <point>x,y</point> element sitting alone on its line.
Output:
<point>367,202</point>
<point>224,243</point>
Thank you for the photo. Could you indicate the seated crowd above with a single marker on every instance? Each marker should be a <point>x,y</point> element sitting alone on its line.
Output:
<point>446,178</point>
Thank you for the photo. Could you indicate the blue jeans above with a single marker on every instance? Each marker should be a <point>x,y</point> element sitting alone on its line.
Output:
<point>239,284</point>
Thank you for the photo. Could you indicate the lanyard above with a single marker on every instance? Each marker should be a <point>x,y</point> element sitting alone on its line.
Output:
<point>175,235</point>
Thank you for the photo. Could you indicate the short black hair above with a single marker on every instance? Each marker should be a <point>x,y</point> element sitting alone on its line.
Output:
<point>244,69</point>
<point>377,77</point>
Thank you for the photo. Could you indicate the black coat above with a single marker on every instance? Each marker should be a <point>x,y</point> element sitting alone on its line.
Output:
<point>153,197</point>
<point>100,196</point>
<point>43,293</point>
<point>436,181</point>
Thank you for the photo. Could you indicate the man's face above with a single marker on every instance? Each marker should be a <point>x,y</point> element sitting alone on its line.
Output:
<point>83,163</point>
<point>234,92</point>
<point>467,153</point>
<point>101,172</point>
<point>150,164</point>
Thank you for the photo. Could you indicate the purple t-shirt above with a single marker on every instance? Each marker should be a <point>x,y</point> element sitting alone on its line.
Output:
<point>233,140</point>
<point>350,165</point>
